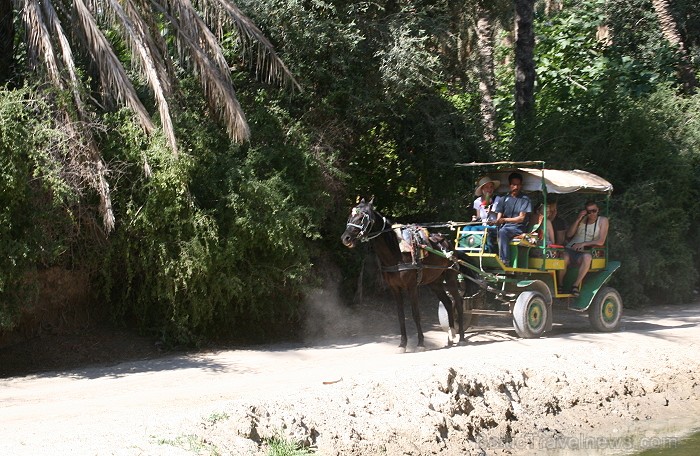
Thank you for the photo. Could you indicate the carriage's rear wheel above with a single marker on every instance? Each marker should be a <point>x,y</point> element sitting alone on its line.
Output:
<point>606,310</point>
<point>530,315</point>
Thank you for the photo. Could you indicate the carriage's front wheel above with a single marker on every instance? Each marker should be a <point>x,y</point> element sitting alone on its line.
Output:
<point>530,315</point>
<point>444,320</point>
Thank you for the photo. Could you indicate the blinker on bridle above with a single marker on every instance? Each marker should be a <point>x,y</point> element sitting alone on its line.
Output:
<point>365,225</point>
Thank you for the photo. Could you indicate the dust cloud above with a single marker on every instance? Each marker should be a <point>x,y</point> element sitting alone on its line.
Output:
<point>330,320</point>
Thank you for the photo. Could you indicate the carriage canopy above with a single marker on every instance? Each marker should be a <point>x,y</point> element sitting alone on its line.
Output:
<point>556,180</point>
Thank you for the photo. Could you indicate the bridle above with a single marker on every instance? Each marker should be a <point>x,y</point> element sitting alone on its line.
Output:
<point>366,224</point>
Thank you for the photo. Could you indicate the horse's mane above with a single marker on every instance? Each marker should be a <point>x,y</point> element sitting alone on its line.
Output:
<point>392,242</point>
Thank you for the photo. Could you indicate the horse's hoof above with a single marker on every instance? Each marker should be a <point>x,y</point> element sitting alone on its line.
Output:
<point>401,350</point>
<point>420,349</point>
<point>449,343</point>
<point>462,343</point>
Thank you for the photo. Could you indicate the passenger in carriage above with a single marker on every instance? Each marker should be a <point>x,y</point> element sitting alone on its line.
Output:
<point>486,205</point>
<point>538,228</point>
<point>588,231</point>
<point>558,223</point>
<point>513,211</point>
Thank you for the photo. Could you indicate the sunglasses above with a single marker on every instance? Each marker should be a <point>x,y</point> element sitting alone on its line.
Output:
<point>591,211</point>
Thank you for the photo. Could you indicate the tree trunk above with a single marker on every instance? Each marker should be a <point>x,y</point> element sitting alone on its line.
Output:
<point>7,33</point>
<point>524,65</point>
<point>485,70</point>
<point>669,29</point>
<point>552,7</point>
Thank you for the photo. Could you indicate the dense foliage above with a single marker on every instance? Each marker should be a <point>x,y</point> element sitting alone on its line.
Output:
<point>225,239</point>
<point>610,106</point>
<point>38,210</point>
<point>218,240</point>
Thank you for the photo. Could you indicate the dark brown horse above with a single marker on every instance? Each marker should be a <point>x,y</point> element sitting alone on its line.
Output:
<point>402,272</point>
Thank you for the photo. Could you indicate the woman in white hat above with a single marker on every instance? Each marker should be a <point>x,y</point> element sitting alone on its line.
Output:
<point>485,203</point>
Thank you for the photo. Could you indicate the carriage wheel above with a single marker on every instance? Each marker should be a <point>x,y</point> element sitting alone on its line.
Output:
<point>606,310</point>
<point>444,321</point>
<point>442,317</point>
<point>530,315</point>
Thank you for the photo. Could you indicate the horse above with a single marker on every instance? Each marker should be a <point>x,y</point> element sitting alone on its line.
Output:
<point>402,272</point>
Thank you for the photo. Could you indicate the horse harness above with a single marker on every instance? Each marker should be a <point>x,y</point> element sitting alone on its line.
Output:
<point>367,223</point>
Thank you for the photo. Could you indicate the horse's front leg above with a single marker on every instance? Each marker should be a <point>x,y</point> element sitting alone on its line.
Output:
<point>415,310</point>
<point>398,299</point>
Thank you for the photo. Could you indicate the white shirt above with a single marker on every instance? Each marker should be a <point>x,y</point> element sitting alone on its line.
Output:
<point>485,213</point>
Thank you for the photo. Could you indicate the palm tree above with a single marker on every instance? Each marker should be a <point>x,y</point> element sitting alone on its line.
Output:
<point>6,42</point>
<point>524,60</point>
<point>489,16</point>
<point>158,33</point>
<point>669,29</point>
<point>524,73</point>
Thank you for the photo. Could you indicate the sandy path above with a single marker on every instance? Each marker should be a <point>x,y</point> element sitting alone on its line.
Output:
<point>537,391</point>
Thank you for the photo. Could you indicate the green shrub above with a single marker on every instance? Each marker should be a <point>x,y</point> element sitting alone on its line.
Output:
<point>36,226</point>
<point>216,242</point>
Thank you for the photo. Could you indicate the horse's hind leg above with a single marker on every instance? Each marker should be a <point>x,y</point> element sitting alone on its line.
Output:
<point>439,290</point>
<point>452,286</point>
<point>398,299</point>
<point>415,310</point>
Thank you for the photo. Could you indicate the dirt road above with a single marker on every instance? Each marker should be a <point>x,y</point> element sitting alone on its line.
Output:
<point>348,392</point>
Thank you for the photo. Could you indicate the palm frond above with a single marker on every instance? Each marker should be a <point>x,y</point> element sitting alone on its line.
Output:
<point>150,62</point>
<point>197,28</point>
<point>112,74</point>
<point>193,25</point>
<point>267,60</point>
<point>215,80</point>
<point>81,140</point>
<point>66,54</point>
<point>219,92</point>
<point>86,155</point>
<point>39,43</point>
<point>41,22</point>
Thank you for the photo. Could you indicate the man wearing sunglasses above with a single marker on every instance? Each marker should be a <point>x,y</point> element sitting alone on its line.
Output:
<point>588,230</point>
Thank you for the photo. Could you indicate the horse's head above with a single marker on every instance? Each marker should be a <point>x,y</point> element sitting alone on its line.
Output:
<point>359,223</point>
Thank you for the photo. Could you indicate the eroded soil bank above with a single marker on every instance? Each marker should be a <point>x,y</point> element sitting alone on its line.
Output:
<point>348,393</point>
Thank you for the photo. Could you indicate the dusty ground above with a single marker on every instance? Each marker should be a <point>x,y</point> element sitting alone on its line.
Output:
<point>347,392</point>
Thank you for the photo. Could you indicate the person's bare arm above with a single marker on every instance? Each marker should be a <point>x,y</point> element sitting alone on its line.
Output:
<point>519,219</point>
<point>574,226</point>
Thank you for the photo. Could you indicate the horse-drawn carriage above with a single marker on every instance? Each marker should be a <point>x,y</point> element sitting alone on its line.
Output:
<point>527,289</point>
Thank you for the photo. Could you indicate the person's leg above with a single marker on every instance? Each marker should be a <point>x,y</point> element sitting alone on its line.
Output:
<point>503,243</point>
<point>562,272</point>
<point>584,267</point>
<point>505,234</point>
<point>491,239</point>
